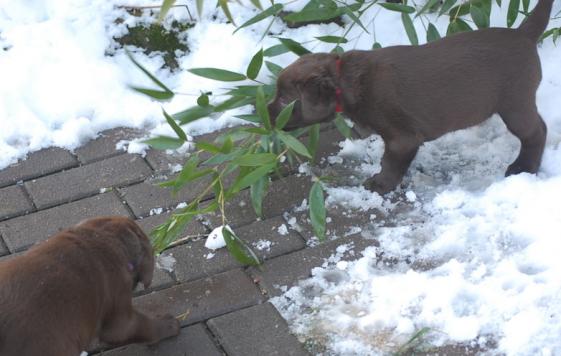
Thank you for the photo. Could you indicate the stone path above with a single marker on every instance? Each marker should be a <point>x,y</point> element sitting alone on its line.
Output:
<point>224,305</point>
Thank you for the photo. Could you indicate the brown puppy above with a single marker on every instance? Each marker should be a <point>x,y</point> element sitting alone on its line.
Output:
<point>413,94</point>
<point>61,294</point>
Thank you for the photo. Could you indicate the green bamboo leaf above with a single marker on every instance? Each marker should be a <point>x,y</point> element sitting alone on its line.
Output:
<point>257,4</point>
<point>512,12</point>
<point>255,159</point>
<point>376,45</point>
<point>261,108</point>
<point>192,114</point>
<point>148,74</point>
<point>317,210</point>
<point>255,65</point>
<point>446,6</point>
<point>409,28</point>
<point>153,93</point>
<point>397,7</point>
<point>313,140</point>
<point>428,5</point>
<point>275,69</point>
<point>218,74</point>
<point>164,142</point>
<point>458,25</point>
<point>293,143</point>
<point>480,18</point>
<point>200,7</point>
<point>251,118</point>
<point>271,11</point>
<point>232,103</point>
<point>525,5</point>
<point>178,130</point>
<point>224,5</point>
<point>293,46</point>
<point>284,116</point>
<point>224,157</point>
<point>166,5</point>
<point>208,147</point>
<point>332,39</point>
<point>460,10</point>
<point>257,193</point>
<point>203,100</point>
<point>348,11</point>
<point>432,33</point>
<point>252,177</point>
<point>237,248</point>
<point>275,50</point>
<point>342,126</point>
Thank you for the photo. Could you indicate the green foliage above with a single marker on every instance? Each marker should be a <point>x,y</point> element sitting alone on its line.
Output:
<point>249,157</point>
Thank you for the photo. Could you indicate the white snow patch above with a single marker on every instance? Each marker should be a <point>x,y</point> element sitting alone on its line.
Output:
<point>215,239</point>
<point>166,262</point>
<point>282,230</point>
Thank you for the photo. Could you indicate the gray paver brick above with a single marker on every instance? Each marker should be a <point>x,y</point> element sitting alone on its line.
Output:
<point>287,270</point>
<point>147,195</point>
<point>258,330</point>
<point>204,298</point>
<point>21,232</point>
<point>87,180</point>
<point>13,202</point>
<point>192,341</point>
<point>104,145</point>
<point>192,262</point>
<point>282,196</point>
<point>4,252</point>
<point>37,164</point>
<point>340,222</point>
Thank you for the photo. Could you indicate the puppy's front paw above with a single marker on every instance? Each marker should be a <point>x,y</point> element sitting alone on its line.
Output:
<point>377,185</point>
<point>168,326</point>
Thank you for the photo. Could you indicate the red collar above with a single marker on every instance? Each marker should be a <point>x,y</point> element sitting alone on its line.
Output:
<point>338,91</point>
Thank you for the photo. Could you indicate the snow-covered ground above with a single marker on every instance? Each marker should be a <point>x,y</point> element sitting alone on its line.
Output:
<point>483,262</point>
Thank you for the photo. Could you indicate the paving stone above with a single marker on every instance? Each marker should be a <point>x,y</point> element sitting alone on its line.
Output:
<point>4,252</point>
<point>287,270</point>
<point>282,196</point>
<point>192,341</point>
<point>104,146</point>
<point>162,279</point>
<point>87,180</point>
<point>147,195</point>
<point>13,202</point>
<point>162,161</point>
<point>19,233</point>
<point>258,330</point>
<point>192,261</point>
<point>340,222</point>
<point>204,298</point>
<point>38,164</point>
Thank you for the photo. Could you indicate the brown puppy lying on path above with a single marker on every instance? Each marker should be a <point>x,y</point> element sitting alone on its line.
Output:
<point>413,94</point>
<point>62,293</point>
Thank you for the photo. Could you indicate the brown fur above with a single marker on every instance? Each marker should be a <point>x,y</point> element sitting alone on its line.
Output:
<point>76,286</point>
<point>413,94</point>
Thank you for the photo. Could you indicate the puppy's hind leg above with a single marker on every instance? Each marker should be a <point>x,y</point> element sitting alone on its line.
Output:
<point>131,326</point>
<point>525,123</point>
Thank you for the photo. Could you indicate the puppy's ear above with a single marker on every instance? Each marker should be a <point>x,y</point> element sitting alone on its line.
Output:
<point>317,98</point>
<point>145,262</point>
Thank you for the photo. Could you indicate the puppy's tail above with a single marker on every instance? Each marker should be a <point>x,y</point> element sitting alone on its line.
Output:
<point>536,23</point>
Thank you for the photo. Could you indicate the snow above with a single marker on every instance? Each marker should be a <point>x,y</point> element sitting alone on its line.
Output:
<point>166,262</point>
<point>473,256</point>
<point>215,239</point>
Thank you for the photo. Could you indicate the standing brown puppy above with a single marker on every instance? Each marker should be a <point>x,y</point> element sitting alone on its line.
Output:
<point>413,94</point>
<point>62,293</point>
